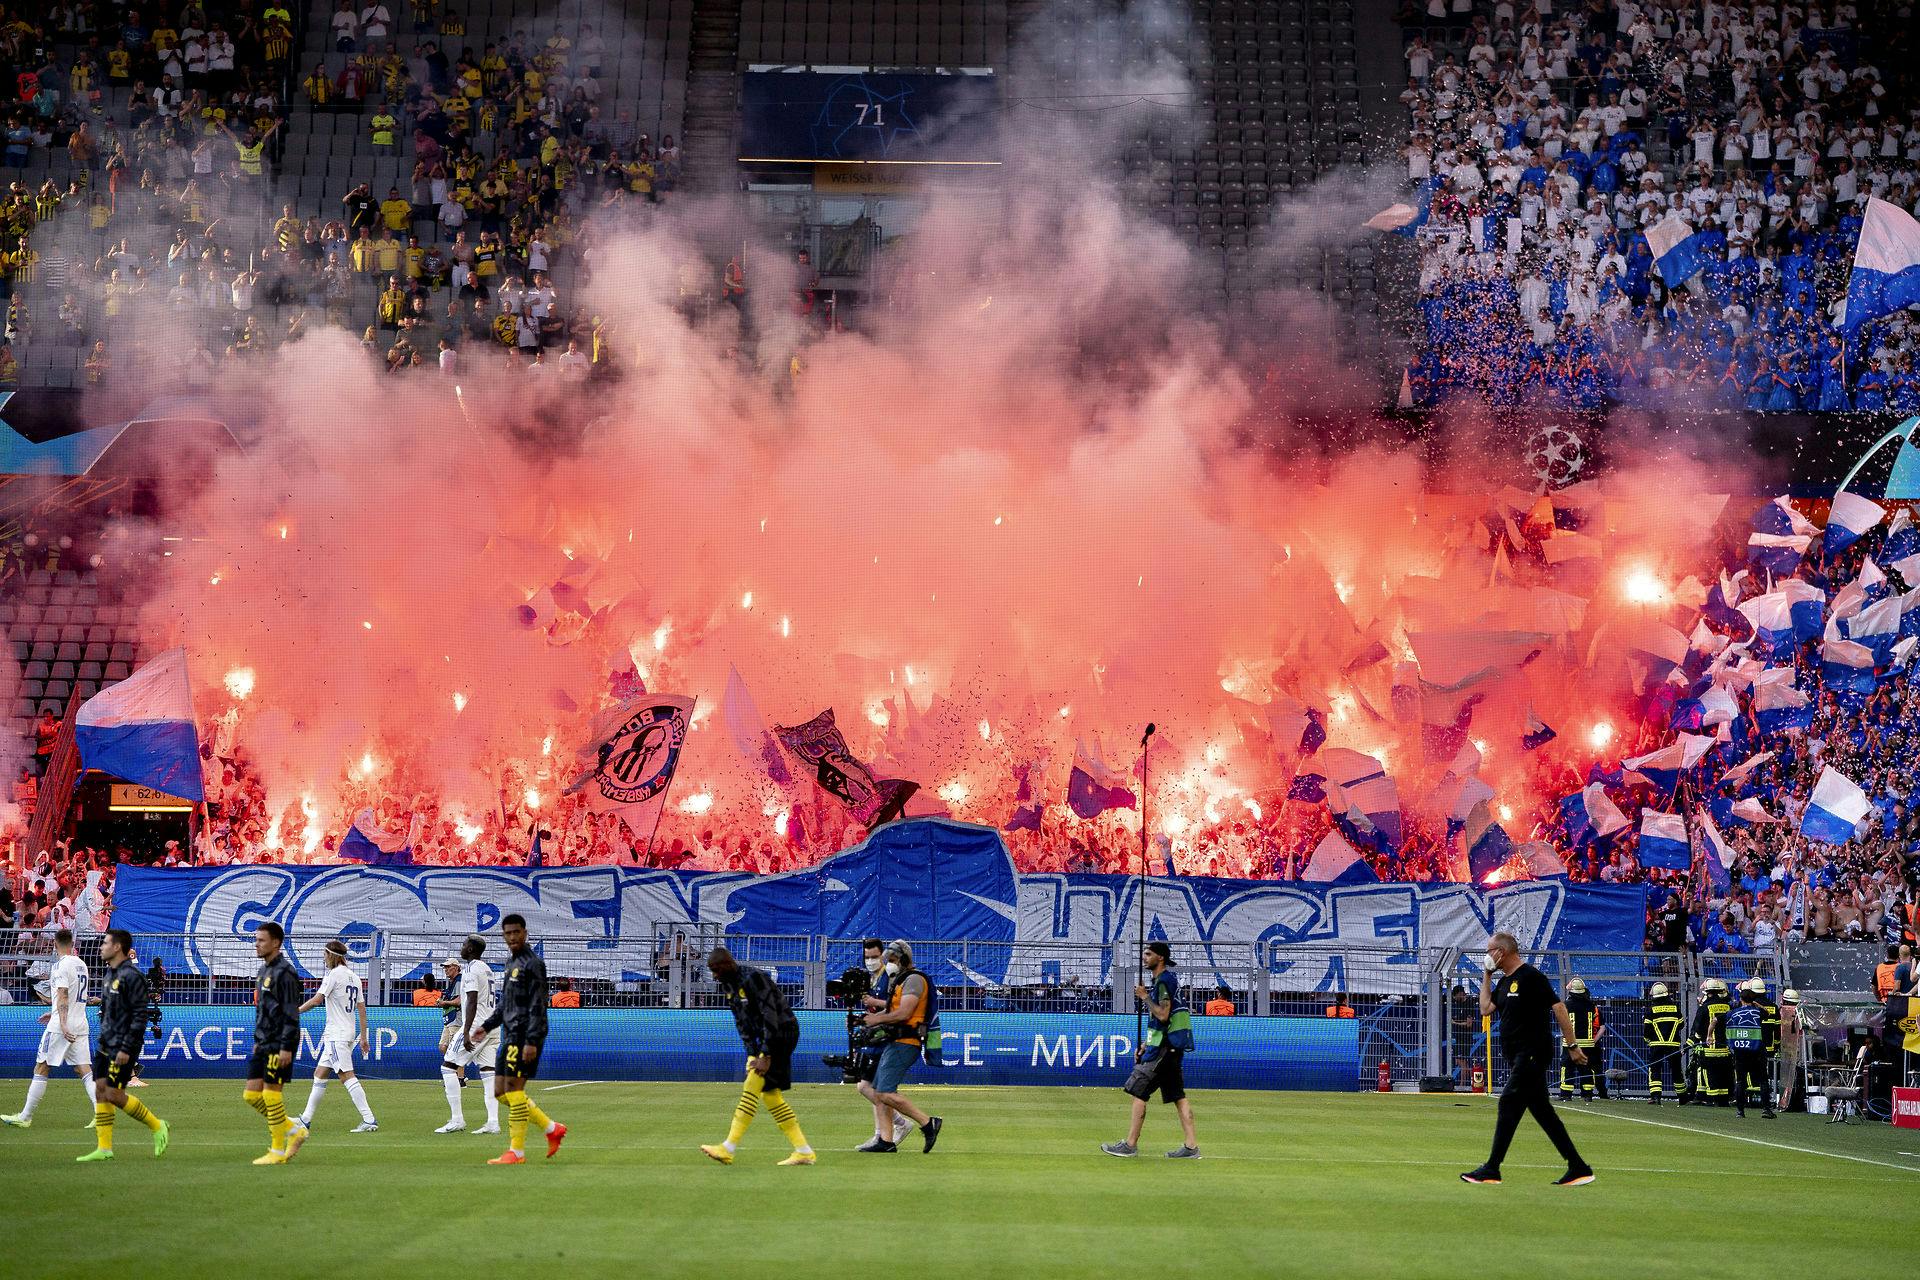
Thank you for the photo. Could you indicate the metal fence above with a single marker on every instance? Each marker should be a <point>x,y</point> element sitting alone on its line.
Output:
<point>1416,1010</point>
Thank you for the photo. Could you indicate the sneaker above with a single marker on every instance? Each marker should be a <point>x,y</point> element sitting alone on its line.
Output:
<point>1482,1177</point>
<point>877,1144</point>
<point>508,1157</point>
<point>160,1137</point>
<point>136,1083</point>
<point>365,1126</point>
<point>455,1126</point>
<point>1574,1177</point>
<point>931,1131</point>
<point>297,1135</point>
<point>1184,1153</point>
<point>1769,1114</point>
<point>93,1157</point>
<point>19,1120</point>
<point>1120,1148</point>
<point>718,1152</point>
<point>798,1157</point>
<point>901,1128</point>
<point>273,1157</point>
<point>554,1139</point>
<point>485,1128</point>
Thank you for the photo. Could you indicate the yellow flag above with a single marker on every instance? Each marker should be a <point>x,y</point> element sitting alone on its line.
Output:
<point>1910,1024</point>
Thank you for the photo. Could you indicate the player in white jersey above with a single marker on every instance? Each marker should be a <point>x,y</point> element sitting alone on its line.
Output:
<point>346,1026</point>
<point>478,989</point>
<point>67,1040</point>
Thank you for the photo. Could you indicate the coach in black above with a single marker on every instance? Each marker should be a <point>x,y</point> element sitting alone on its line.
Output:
<point>1528,1008</point>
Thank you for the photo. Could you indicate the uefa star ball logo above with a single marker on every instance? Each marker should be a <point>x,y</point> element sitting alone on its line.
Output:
<point>639,757</point>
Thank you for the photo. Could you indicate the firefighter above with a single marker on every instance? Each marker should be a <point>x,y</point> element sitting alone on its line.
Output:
<point>1712,1057</point>
<point>1587,1030</point>
<point>1662,1033</point>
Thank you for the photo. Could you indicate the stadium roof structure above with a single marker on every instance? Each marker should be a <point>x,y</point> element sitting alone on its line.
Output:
<point>167,434</point>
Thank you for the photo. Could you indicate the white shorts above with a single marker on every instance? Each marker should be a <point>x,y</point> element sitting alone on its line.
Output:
<point>483,1053</point>
<point>335,1055</point>
<point>57,1051</point>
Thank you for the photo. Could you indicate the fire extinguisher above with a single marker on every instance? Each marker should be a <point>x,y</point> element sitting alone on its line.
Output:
<point>1386,1078</point>
<point>1479,1078</point>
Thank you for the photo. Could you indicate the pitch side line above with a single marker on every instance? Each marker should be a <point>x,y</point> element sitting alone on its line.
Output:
<point>1758,1142</point>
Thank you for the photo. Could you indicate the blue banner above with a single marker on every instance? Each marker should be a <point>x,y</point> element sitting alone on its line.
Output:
<point>660,1044</point>
<point>928,879</point>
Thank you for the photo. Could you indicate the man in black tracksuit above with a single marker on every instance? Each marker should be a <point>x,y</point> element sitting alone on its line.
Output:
<point>770,1033</point>
<point>276,1038</point>
<point>521,1016</point>
<point>116,1058</point>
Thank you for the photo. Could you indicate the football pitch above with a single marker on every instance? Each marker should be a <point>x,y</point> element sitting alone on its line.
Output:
<point>1291,1184</point>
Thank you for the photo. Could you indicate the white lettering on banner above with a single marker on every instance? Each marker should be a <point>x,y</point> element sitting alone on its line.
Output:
<point>1049,1055</point>
<point>384,1038</point>
<point>970,1049</point>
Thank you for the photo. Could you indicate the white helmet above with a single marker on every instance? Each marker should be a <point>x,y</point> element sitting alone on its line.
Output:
<point>1658,991</point>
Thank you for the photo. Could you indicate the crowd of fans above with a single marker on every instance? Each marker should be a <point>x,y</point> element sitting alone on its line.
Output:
<point>157,251</point>
<point>1549,141</point>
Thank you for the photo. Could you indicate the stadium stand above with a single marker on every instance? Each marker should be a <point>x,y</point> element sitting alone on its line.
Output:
<point>1550,145</point>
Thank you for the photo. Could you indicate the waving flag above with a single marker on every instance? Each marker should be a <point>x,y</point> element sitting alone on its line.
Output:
<point>1296,728</point>
<point>1777,553</point>
<point>1851,517</point>
<point>1029,804</point>
<point>1886,265</point>
<point>1877,626</point>
<point>822,748</point>
<point>1334,861</point>
<point>1539,733</point>
<point>1722,599</point>
<point>630,755</point>
<point>1663,841</point>
<point>1836,809</point>
<point>1093,788</point>
<point>1662,768</point>
<point>748,731</point>
<point>1360,793</point>
<point>366,842</point>
<point>1744,770</point>
<point>1779,516</point>
<point>1407,219</point>
<point>1679,251</point>
<point>1589,815</point>
<point>1781,708</point>
<point>1868,586</point>
<point>1720,856</point>
<point>1847,669</point>
<point>142,729</point>
<point>1901,550</point>
<point>1752,811</point>
<point>1488,845</point>
<point>1543,862</point>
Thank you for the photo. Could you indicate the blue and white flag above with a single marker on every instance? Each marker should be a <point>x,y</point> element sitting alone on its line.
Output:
<point>1407,219</point>
<point>1093,787</point>
<point>1662,768</point>
<point>1777,553</point>
<point>1488,845</point>
<point>1836,809</point>
<point>1539,733</point>
<point>1663,841</point>
<point>367,842</point>
<point>1334,861</point>
<point>1781,708</point>
<point>1869,585</point>
<point>1590,815</point>
<point>1847,669</point>
<point>1722,599</point>
<point>630,755</point>
<point>1877,627</point>
<point>1543,861</point>
<point>1780,516</point>
<point>142,729</point>
<point>1719,858</point>
<point>1886,266</point>
<point>1744,770</point>
<point>1678,250</point>
<point>1754,813</point>
<point>1901,550</point>
<point>1849,520</point>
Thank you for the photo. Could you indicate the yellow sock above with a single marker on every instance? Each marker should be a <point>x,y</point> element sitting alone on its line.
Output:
<point>103,1125</point>
<point>783,1116</point>
<point>276,1113</point>
<point>137,1110</point>
<point>747,1108</point>
<point>535,1114</point>
<point>517,1121</point>
<point>256,1100</point>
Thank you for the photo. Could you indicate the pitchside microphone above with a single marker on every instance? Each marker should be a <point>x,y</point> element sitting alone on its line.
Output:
<point>1147,734</point>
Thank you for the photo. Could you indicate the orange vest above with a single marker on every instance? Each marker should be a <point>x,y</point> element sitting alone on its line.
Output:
<point>1219,1009</point>
<point>1883,977</point>
<point>1339,1011</point>
<point>566,1000</point>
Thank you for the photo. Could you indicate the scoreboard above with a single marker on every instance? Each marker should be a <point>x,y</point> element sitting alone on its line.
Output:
<point>867,117</point>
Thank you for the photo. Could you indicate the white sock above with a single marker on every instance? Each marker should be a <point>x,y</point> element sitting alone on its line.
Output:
<point>901,1128</point>
<point>313,1100</point>
<point>358,1093</point>
<point>36,1090</point>
<point>451,1080</point>
<point>729,1146</point>
<point>493,1103</point>
<point>86,1082</point>
<point>552,1124</point>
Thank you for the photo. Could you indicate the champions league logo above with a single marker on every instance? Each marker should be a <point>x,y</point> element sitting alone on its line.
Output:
<point>637,760</point>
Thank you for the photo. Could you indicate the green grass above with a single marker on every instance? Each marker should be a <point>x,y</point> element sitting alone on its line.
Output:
<point>1292,1184</point>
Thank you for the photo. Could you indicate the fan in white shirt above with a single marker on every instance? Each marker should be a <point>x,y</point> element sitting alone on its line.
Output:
<point>66,1039</point>
<point>346,1025</point>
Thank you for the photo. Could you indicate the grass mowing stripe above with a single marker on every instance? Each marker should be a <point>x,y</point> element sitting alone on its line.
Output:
<point>1738,1137</point>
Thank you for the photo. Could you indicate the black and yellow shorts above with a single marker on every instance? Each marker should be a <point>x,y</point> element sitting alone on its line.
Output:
<point>265,1065</point>
<point>115,1075</point>
<point>511,1062</point>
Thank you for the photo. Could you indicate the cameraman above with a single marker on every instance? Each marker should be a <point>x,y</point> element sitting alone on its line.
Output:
<point>888,1128</point>
<point>905,1018</point>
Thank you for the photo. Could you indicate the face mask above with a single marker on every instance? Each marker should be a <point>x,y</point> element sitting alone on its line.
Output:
<point>893,968</point>
<point>1491,961</point>
<point>875,965</point>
